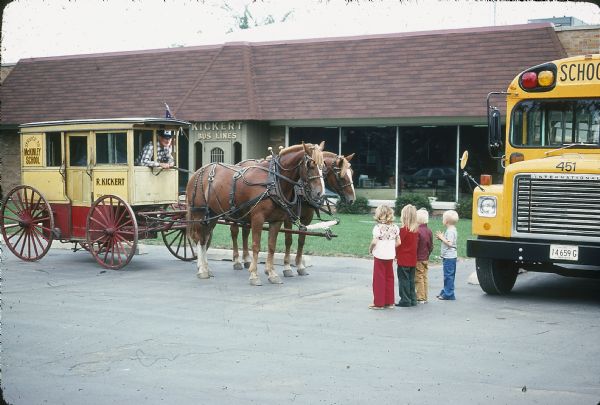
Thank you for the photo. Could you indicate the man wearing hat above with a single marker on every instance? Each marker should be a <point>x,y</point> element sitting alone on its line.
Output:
<point>164,158</point>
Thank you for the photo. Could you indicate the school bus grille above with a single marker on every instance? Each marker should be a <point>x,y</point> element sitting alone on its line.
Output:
<point>558,204</point>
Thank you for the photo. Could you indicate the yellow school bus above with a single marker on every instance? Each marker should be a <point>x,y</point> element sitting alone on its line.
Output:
<point>545,215</point>
<point>83,182</point>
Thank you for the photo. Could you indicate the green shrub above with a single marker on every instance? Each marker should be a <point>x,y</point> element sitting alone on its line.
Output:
<point>418,200</point>
<point>360,206</point>
<point>464,207</point>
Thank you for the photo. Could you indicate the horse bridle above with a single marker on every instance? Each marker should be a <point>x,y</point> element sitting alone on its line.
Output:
<point>304,188</point>
<point>339,180</point>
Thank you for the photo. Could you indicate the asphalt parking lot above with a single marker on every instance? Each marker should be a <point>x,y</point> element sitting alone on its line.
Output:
<point>75,333</point>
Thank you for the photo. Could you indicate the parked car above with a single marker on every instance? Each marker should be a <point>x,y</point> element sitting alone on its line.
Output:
<point>430,177</point>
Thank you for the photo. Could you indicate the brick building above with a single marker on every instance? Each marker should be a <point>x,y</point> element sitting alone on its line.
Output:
<point>406,103</point>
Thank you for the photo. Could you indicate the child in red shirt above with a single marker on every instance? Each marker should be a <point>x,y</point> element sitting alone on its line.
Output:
<point>406,256</point>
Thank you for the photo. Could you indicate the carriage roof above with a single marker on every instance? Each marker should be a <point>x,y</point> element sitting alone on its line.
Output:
<point>131,121</point>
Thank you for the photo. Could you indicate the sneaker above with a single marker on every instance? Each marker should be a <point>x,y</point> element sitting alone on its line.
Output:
<point>422,301</point>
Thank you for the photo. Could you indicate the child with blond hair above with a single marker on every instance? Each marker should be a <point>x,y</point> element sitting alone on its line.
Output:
<point>448,253</point>
<point>424,248</point>
<point>406,257</point>
<point>382,247</point>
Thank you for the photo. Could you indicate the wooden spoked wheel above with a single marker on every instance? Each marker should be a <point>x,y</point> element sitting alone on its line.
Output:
<point>112,232</point>
<point>179,244</point>
<point>27,222</point>
<point>175,238</point>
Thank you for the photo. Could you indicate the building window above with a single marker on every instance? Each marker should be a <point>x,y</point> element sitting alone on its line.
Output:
<point>427,162</point>
<point>374,164</point>
<point>474,139</point>
<point>237,152</point>
<point>111,148</point>
<point>217,155</point>
<point>197,155</point>
<point>53,149</point>
<point>315,135</point>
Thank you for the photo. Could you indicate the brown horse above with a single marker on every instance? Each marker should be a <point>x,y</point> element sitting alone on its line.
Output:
<point>267,191</point>
<point>338,177</point>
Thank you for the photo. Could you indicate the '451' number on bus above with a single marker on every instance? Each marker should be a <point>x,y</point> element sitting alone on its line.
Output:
<point>566,166</point>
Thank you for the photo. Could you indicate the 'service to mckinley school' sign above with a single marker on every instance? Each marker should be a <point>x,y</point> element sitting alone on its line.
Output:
<point>32,150</point>
<point>220,130</point>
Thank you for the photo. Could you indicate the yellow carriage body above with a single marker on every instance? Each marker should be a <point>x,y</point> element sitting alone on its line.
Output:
<point>73,163</point>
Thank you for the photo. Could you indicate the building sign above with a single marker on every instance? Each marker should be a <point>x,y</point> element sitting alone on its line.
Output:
<point>217,131</point>
<point>32,150</point>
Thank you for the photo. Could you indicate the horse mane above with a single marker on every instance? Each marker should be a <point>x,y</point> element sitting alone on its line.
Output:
<point>317,154</point>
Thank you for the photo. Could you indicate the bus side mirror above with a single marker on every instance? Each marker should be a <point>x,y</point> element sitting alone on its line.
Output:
<point>494,131</point>
<point>464,159</point>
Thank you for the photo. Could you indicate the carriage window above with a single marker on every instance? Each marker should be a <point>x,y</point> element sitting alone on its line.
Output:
<point>78,151</point>
<point>111,148</point>
<point>140,138</point>
<point>53,149</point>
<point>217,155</point>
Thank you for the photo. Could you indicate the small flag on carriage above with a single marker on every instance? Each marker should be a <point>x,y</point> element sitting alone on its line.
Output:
<point>168,111</point>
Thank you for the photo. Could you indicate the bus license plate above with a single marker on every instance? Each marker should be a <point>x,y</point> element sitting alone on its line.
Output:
<point>564,252</point>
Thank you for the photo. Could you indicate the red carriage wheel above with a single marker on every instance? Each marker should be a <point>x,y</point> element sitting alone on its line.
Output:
<point>112,232</point>
<point>27,222</point>
<point>175,238</point>
<point>179,244</point>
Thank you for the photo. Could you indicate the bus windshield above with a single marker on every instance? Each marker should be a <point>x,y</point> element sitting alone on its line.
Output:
<point>551,123</point>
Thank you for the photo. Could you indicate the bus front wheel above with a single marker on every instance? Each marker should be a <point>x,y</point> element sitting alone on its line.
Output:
<point>496,277</point>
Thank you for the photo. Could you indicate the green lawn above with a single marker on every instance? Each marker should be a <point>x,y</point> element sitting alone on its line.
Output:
<point>354,235</point>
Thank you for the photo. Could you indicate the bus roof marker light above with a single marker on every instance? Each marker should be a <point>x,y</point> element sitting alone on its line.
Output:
<point>545,78</point>
<point>529,80</point>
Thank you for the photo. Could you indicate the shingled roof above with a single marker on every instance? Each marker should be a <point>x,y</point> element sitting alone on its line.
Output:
<point>420,74</point>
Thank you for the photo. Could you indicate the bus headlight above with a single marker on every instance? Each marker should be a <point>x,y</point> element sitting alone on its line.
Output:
<point>486,206</point>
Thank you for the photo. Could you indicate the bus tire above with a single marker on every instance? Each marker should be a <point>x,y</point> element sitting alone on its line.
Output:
<point>496,277</point>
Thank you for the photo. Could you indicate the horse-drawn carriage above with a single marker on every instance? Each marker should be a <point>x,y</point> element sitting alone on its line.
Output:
<point>83,183</point>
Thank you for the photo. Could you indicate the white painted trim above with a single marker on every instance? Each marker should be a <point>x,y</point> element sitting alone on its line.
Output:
<point>397,159</point>
<point>436,205</point>
<point>457,169</point>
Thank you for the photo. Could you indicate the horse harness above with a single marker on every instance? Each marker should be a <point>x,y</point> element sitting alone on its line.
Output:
<point>340,184</point>
<point>301,191</point>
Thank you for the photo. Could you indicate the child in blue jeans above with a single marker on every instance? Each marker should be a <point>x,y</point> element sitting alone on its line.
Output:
<point>448,253</point>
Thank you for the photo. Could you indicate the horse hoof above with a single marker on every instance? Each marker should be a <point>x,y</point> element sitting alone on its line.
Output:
<point>255,281</point>
<point>210,274</point>
<point>237,266</point>
<point>288,273</point>
<point>275,280</point>
<point>203,275</point>
<point>302,272</point>
<point>247,264</point>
